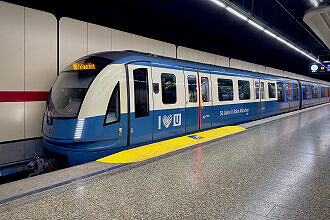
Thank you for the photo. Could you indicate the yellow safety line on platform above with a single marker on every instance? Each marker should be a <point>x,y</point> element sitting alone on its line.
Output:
<point>163,147</point>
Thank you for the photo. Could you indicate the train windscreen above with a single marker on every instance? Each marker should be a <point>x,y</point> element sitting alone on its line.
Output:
<point>70,87</point>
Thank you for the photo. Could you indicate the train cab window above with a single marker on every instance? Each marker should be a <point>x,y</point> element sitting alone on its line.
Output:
<point>271,90</point>
<point>280,92</point>
<point>225,89</point>
<point>168,88</point>
<point>288,92</point>
<point>262,90</point>
<point>205,91</point>
<point>243,89</point>
<point>141,92</point>
<point>256,85</point>
<point>295,93</point>
<point>113,112</point>
<point>192,88</point>
<point>305,92</point>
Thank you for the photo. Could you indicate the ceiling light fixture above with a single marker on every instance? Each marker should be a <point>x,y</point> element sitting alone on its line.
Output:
<point>236,13</point>
<point>254,24</point>
<point>270,33</point>
<point>218,3</point>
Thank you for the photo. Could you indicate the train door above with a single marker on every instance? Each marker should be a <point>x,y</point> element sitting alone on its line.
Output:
<point>192,100</point>
<point>288,95</point>
<point>205,100</point>
<point>301,95</point>
<point>263,98</point>
<point>169,101</point>
<point>257,96</point>
<point>141,103</point>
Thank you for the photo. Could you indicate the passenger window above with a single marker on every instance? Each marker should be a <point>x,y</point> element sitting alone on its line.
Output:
<point>288,92</point>
<point>315,90</point>
<point>256,85</point>
<point>168,88</point>
<point>225,90</point>
<point>271,90</point>
<point>205,89</point>
<point>113,111</point>
<point>141,92</point>
<point>244,89</point>
<point>305,92</point>
<point>280,92</point>
<point>323,92</point>
<point>192,88</point>
<point>295,92</point>
<point>262,90</point>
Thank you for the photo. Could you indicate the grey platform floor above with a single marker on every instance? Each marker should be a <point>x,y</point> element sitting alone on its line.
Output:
<point>277,170</point>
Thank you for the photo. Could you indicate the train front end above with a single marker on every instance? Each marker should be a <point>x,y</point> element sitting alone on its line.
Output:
<point>71,130</point>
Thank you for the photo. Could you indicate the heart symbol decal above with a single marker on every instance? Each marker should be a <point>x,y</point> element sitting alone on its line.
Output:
<point>167,120</point>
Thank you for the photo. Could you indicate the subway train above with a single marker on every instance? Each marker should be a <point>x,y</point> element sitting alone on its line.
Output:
<point>111,101</point>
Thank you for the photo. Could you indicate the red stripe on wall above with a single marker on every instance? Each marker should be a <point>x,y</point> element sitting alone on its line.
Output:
<point>23,96</point>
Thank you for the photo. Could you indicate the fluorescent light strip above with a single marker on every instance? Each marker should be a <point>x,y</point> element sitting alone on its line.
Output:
<point>218,3</point>
<point>234,12</point>
<point>270,33</point>
<point>255,25</point>
<point>297,49</point>
<point>243,17</point>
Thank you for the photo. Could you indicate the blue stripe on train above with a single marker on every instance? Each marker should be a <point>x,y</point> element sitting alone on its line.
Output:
<point>98,140</point>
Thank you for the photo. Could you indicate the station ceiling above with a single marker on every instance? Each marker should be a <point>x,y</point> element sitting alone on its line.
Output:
<point>201,25</point>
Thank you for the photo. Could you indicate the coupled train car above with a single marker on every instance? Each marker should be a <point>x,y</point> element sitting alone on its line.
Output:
<point>111,101</point>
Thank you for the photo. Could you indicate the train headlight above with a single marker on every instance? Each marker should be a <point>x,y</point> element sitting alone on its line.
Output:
<point>79,128</point>
<point>49,118</point>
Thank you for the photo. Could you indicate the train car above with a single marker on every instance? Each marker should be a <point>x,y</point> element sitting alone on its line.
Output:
<point>108,102</point>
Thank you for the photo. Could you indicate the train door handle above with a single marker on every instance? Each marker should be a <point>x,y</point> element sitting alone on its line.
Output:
<point>120,132</point>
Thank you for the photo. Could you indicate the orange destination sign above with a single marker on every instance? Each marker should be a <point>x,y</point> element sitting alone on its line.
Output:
<point>83,66</point>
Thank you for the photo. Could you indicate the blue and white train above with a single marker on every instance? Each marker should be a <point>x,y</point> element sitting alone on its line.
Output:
<point>111,101</point>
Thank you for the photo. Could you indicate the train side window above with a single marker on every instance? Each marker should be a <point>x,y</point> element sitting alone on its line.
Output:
<point>271,90</point>
<point>113,111</point>
<point>205,91</point>
<point>323,92</point>
<point>256,85</point>
<point>288,92</point>
<point>244,89</point>
<point>168,88</point>
<point>305,92</point>
<point>141,92</point>
<point>262,90</point>
<point>225,89</point>
<point>192,88</point>
<point>295,92</point>
<point>280,92</point>
<point>315,90</point>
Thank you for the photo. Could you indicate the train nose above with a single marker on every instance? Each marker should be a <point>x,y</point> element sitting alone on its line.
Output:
<point>61,129</point>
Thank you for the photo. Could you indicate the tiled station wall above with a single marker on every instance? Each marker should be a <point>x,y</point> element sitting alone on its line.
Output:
<point>79,38</point>
<point>28,62</point>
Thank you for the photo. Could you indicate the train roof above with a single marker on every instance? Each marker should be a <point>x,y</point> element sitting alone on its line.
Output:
<point>131,56</point>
